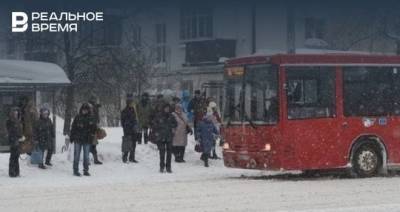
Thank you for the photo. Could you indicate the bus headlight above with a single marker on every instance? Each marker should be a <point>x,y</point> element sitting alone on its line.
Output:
<point>267,147</point>
<point>226,146</point>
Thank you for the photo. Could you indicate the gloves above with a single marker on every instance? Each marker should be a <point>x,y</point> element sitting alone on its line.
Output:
<point>22,139</point>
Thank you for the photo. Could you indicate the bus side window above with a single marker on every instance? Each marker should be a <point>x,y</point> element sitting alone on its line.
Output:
<point>311,93</point>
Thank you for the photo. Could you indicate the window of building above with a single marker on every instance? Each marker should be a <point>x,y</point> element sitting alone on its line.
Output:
<point>161,38</point>
<point>314,28</point>
<point>196,23</point>
<point>106,33</point>
<point>310,93</point>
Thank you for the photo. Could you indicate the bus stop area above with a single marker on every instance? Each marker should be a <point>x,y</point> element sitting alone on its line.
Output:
<point>19,80</point>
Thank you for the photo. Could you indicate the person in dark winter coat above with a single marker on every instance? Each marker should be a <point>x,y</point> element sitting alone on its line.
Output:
<point>44,135</point>
<point>163,125</point>
<point>130,126</point>
<point>207,131</point>
<point>198,107</point>
<point>14,130</point>
<point>82,134</point>
<point>144,110</point>
<point>96,115</point>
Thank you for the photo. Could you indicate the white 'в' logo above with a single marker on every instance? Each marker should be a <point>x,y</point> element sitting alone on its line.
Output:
<point>19,21</point>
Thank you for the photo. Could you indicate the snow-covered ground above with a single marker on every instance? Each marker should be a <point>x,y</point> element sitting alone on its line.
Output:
<point>115,186</point>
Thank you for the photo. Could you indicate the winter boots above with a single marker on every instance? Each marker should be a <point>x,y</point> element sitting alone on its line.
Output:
<point>96,160</point>
<point>86,173</point>
<point>204,157</point>
<point>132,158</point>
<point>41,166</point>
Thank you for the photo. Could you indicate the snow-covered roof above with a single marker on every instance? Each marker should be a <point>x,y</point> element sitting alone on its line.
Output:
<point>310,51</point>
<point>14,72</point>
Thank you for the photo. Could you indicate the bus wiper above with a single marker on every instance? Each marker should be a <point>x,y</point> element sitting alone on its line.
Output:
<point>250,121</point>
<point>237,108</point>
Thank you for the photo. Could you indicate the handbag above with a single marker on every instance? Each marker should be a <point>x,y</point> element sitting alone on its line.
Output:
<point>25,147</point>
<point>36,156</point>
<point>188,128</point>
<point>100,133</point>
<point>198,148</point>
<point>126,144</point>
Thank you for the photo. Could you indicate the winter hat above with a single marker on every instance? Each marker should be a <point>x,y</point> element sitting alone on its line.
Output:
<point>211,106</point>
<point>14,109</point>
<point>44,110</point>
<point>93,99</point>
<point>209,116</point>
<point>85,106</point>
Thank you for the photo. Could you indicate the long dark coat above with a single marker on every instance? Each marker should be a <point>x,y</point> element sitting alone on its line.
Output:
<point>129,121</point>
<point>83,128</point>
<point>163,125</point>
<point>44,133</point>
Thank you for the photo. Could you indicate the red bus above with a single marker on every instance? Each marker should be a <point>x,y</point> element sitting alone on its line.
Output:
<point>313,112</point>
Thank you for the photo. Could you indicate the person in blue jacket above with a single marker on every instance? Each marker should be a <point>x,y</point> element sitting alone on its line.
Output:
<point>206,132</point>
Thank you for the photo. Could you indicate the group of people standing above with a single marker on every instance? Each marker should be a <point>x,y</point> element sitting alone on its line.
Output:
<point>27,131</point>
<point>164,123</point>
<point>167,124</point>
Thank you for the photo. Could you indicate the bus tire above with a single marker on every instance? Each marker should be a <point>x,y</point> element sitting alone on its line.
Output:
<point>367,160</point>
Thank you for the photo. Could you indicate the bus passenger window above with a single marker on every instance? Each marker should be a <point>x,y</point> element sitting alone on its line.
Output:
<point>310,93</point>
<point>370,91</point>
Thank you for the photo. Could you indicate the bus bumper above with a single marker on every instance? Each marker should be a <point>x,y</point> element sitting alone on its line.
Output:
<point>250,160</point>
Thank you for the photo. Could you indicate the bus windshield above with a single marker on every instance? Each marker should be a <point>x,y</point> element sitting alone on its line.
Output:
<point>251,95</point>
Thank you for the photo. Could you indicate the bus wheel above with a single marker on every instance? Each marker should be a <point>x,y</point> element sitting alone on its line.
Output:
<point>366,161</point>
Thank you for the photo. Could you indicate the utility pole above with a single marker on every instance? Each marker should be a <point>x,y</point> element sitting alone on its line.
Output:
<point>290,27</point>
<point>253,28</point>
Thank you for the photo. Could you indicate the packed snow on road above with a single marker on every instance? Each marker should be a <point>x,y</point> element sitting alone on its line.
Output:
<point>115,186</point>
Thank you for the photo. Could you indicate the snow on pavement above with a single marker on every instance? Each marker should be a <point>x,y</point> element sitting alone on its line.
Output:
<point>139,187</point>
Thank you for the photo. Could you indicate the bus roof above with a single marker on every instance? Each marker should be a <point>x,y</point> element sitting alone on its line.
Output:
<point>331,59</point>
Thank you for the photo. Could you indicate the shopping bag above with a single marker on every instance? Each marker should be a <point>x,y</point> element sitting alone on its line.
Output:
<point>36,156</point>
<point>198,148</point>
<point>100,133</point>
